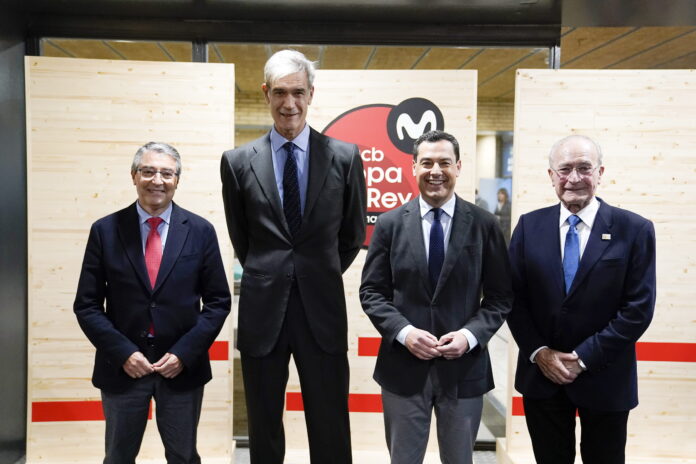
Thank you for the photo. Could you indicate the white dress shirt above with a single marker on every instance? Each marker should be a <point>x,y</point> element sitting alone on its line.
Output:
<point>587,217</point>
<point>427,217</point>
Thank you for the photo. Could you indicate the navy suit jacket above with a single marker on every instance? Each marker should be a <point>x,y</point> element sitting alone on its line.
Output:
<point>608,307</point>
<point>473,292</point>
<point>115,302</point>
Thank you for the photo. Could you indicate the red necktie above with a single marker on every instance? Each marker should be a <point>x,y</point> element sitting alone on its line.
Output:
<point>153,256</point>
<point>153,250</point>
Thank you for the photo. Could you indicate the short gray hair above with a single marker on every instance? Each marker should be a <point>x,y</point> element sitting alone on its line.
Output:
<point>561,142</point>
<point>286,62</point>
<point>159,147</point>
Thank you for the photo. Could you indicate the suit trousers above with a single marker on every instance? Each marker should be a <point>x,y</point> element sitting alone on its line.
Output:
<point>324,382</point>
<point>407,423</point>
<point>177,414</point>
<point>551,425</point>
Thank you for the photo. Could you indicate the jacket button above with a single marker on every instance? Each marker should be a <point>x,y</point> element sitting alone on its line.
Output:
<point>153,305</point>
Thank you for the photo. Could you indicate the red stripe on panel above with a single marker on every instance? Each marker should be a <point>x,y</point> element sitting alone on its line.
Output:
<point>671,352</point>
<point>69,411</point>
<point>368,346</point>
<point>357,402</point>
<point>219,351</point>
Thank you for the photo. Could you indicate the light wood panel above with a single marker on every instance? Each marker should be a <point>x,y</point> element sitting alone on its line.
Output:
<point>337,91</point>
<point>644,122</point>
<point>85,120</point>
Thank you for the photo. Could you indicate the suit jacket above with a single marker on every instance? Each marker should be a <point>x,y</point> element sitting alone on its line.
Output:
<point>608,307</point>
<point>396,291</point>
<point>114,272</point>
<point>332,231</point>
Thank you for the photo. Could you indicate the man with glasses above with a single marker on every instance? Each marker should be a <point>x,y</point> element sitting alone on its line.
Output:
<point>152,297</point>
<point>584,281</point>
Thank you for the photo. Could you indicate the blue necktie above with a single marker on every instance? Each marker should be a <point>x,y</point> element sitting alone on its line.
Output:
<point>436,251</point>
<point>291,191</point>
<point>571,252</point>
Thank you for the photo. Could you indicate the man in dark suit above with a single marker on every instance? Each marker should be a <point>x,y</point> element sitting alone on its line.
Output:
<point>584,281</point>
<point>146,270</point>
<point>295,203</point>
<point>436,285</point>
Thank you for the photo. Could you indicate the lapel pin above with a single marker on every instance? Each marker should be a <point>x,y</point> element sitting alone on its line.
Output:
<point>606,236</point>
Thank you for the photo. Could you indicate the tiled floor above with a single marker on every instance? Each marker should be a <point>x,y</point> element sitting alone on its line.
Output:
<point>241,456</point>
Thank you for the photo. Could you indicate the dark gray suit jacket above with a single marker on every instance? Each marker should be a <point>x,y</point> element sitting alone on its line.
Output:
<point>332,231</point>
<point>396,291</point>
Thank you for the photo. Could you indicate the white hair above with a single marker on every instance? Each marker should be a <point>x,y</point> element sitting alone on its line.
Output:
<point>556,146</point>
<point>286,62</point>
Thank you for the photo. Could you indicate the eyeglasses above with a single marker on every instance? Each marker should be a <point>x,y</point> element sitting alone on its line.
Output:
<point>585,170</point>
<point>150,173</point>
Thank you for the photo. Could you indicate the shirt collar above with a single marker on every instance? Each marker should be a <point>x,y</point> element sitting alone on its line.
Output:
<point>302,139</point>
<point>448,207</point>
<point>587,214</point>
<point>144,215</point>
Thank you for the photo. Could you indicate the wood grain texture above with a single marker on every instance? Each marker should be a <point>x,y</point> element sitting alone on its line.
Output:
<point>644,122</point>
<point>85,120</point>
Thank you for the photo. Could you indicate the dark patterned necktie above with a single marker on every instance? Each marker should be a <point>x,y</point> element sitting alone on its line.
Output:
<point>291,191</point>
<point>571,252</point>
<point>436,251</point>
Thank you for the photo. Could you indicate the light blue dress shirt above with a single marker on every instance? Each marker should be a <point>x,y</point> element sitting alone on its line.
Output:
<point>301,157</point>
<point>163,228</point>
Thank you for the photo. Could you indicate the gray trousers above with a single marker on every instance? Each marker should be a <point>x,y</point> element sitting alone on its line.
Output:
<point>177,415</point>
<point>407,424</point>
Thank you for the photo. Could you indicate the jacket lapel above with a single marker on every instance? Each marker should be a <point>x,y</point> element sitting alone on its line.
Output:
<point>176,237</point>
<point>416,246</point>
<point>320,159</point>
<point>262,167</point>
<point>131,240</point>
<point>461,224</point>
<point>595,245</point>
<point>550,235</point>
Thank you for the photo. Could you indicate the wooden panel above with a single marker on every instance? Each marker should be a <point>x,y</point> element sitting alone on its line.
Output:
<point>395,57</point>
<point>446,58</point>
<point>623,47</point>
<point>85,120</point>
<point>454,93</point>
<point>144,51</point>
<point>644,122</point>
<point>665,53</point>
<point>80,48</point>
<point>502,85</point>
<point>494,60</point>
<point>346,57</point>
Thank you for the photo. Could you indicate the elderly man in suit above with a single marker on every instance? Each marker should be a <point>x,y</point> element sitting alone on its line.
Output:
<point>295,202</point>
<point>584,281</point>
<point>436,285</point>
<point>146,271</point>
